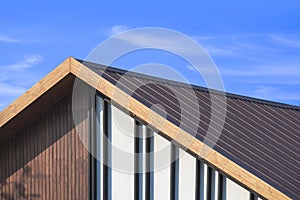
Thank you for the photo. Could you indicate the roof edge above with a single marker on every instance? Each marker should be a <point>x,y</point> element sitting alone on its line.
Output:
<point>197,87</point>
<point>37,90</point>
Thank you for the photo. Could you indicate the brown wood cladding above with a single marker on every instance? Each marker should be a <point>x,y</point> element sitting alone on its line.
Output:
<point>47,159</point>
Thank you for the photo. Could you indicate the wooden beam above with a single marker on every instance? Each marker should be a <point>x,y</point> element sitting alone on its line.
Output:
<point>35,91</point>
<point>37,108</point>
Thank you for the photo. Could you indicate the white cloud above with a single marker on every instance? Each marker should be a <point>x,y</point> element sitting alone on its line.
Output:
<point>201,38</point>
<point>174,42</point>
<point>26,63</point>
<point>236,72</point>
<point>286,41</point>
<point>16,78</point>
<point>218,51</point>
<point>251,43</point>
<point>288,97</point>
<point>11,90</point>
<point>118,29</point>
<point>273,93</point>
<point>8,39</point>
<point>219,45</point>
<point>268,70</point>
<point>161,39</point>
<point>263,90</point>
<point>282,81</point>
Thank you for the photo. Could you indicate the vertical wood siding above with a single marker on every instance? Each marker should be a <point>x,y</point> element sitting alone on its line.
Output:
<point>47,159</point>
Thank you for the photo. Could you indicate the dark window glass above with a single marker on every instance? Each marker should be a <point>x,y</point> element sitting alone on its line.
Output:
<point>174,172</point>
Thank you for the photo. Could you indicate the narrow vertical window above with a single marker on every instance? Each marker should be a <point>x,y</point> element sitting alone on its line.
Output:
<point>149,165</point>
<point>106,151</point>
<point>203,180</point>
<point>209,183</point>
<point>99,146</point>
<point>220,188</point>
<point>174,172</point>
<point>198,180</point>
<point>254,197</point>
<point>92,147</point>
<point>138,162</point>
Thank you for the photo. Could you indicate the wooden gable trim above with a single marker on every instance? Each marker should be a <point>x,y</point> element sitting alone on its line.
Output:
<point>35,91</point>
<point>141,111</point>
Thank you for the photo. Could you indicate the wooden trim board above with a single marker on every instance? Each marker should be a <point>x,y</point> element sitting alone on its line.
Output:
<point>70,65</point>
<point>35,91</point>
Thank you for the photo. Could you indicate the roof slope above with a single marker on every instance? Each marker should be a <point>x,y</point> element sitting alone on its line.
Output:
<point>258,147</point>
<point>261,136</point>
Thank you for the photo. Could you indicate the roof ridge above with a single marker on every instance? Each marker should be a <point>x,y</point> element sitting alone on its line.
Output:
<point>189,86</point>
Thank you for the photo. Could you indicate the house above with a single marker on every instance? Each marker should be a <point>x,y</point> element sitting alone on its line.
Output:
<point>89,132</point>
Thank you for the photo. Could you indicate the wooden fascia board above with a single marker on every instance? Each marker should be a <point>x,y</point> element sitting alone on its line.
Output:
<point>70,65</point>
<point>35,91</point>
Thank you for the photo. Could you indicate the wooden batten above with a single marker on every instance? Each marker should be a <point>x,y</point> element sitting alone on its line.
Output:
<point>72,66</point>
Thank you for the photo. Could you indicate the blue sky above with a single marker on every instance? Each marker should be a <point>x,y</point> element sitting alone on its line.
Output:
<point>255,44</point>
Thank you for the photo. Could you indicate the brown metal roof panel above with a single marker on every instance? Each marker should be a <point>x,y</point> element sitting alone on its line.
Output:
<point>261,136</point>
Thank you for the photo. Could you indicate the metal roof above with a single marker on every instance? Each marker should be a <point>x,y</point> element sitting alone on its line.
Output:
<point>261,136</point>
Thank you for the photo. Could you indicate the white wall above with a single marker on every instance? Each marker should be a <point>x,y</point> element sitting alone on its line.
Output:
<point>162,156</point>
<point>235,191</point>
<point>122,155</point>
<point>187,176</point>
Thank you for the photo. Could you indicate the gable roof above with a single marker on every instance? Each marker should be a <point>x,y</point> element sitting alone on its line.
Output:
<point>258,147</point>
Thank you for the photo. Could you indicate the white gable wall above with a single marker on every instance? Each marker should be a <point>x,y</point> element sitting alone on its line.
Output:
<point>122,175</point>
<point>162,156</point>
<point>122,151</point>
<point>187,176</point>
<point>236,192</point>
